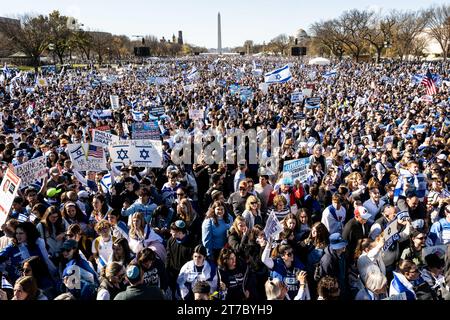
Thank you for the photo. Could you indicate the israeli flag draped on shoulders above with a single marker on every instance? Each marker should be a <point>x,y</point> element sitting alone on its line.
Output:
<point>400,284</point>
<point>278,75</point>
<point>106,183</point>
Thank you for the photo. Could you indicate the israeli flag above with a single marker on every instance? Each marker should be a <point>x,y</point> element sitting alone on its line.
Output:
<point>137,115</point>
<point>279,75</point>
<point>401,285</point>
<point>193,74</point>
<point>296,97</point>
<point>7,71</point>
<point>416,78</point>
<point>106,183</point>
<point>329,74</point>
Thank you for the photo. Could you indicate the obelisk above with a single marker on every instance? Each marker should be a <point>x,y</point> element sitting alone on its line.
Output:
<point>219,35</point>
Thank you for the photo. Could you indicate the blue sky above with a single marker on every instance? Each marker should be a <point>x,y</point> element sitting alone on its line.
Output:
<point>242,20</point>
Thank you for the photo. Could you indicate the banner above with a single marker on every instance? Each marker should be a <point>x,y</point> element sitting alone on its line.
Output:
<point>87,157</point>
<point>157,111</point>
<point>298,169</point>
<point>8,191</point>
<point>114,102</point>
<point>391,234</point>
<point>273,226</point>
<point>145,130</point>
<point>195,114</point>
<point>312,103</point>
<point>32,170</point>
<point>296,97</point>
<point>139,153</point>
<point>103,138</point>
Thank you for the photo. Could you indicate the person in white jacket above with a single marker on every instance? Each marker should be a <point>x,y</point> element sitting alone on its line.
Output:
<point>371,258</point>
<point>198,269</point>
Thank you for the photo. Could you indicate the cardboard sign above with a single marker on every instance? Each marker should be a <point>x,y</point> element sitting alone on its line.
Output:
<point>297,168</point>
<point>87,157</point>
<point>273,227</point>
<point>103,138</point>
<point>8,191</point>
<point>114,102</point>
<point>145,130</point>
<point>32,171</point>
<point>139,153</point>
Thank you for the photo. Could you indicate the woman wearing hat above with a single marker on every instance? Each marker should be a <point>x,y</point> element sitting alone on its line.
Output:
<point>198,269</point>
<point>78,276</point>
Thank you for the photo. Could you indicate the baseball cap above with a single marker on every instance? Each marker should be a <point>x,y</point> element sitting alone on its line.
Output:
<point>337,242</point>
<point>53,192</point>
<point>20,153</point>
<point>69,244</point>
<point>363,213</point>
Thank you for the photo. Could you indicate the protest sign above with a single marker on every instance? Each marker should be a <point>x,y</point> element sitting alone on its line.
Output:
<point>195,114</point>
<point>145,130</point>
<point>157,111</point>
<point>391,234</point>
<point>87,157</point>
<point>32,170</point>
<point>114,102</point>
<point>298,169</point>
<point>139,153</point>
<point>312,103</point>
<point>440,251</point>
<point>387,140</point>
<point>103,138</point>
<point>8,191</point>
<point>273,226</point>
<point>296,97</point>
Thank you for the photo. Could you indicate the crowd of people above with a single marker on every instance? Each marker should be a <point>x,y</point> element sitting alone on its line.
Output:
<point>370,221</point>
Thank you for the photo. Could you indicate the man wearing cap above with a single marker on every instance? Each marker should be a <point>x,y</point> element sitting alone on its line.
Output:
<point>238,199</point>
<point>138,290</point>
<point>333,262</point>
<point>240,174</point>
<point>55,178</point>
<point>357,228</point>
<point>180,248</point>
<point>20,158</point>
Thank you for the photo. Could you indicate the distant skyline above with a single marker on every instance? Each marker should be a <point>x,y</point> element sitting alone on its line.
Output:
<point>259,21</point>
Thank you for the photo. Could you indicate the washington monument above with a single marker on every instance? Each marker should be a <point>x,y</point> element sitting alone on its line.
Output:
<point>219,35</point>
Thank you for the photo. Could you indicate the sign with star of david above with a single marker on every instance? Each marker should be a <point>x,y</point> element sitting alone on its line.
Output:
<point>139,153</point>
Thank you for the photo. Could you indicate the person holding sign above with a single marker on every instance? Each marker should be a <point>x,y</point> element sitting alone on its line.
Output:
<point>285,267</point>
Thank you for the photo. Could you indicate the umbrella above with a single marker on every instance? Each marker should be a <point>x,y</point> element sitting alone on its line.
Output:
<point>320,61</point>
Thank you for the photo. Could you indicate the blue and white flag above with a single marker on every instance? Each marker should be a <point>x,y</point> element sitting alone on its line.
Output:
<point>7,71</point>
<point>331,73</point>
<point>279,75</point>
<point>193,74</point>
<point>257,69</point>
<point>400,284</point>
<point>137,115</point>
<point>106,183</point>
<point>101,114</point>
<point>416,78</point>
<point>296,97</point>
<point>246,93</point>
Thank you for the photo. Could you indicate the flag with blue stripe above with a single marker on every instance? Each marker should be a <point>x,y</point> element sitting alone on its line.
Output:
<point>106,183</point>
<point>400,284</point>
<point>278,75</point>
<point>137,115</point>
<point>193,74</point>
<point>329,74</point>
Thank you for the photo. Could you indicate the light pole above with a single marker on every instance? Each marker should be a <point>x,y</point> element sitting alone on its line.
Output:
<point>51,47</point>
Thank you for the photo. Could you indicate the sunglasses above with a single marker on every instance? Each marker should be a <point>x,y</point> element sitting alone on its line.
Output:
<point>253,203</point>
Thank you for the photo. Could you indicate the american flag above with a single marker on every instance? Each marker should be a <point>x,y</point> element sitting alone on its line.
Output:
<point>95,152</point>
<point>428,82</point>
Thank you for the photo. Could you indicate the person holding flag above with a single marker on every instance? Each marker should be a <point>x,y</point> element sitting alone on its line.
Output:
<point>428,82</point>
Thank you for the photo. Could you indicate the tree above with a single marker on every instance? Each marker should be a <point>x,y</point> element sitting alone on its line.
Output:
<point>31,37</point>
<point>60,34</point>
<point>439,26</point>
<point>379,32</point>
<point>329,35</point>
<point>354,25</point>
<point>82,40</point>
<point>279,44</point>
<point>101,44</point>
<point>409,25</point>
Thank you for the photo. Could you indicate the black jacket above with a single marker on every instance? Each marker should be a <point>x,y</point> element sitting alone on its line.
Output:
<point>140,292</point>
<point>353,231</point>
<point>178,253</point>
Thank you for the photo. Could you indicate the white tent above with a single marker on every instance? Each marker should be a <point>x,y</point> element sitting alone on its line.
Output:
<point>320,61</point>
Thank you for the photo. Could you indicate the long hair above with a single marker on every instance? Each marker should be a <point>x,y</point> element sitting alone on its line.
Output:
<point>58,226</point>
<point>79,216</point>
<point>137,232</point>
<point>322,238</point>
<point>29,286</point>
<point>186,215</point>
<point>32,233</point>
<point>128,254</point>
<point>234,228</point>
<point>361,246</point>
<point>291,216</point>
<point>212,214</point>
<point>38,267</point>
